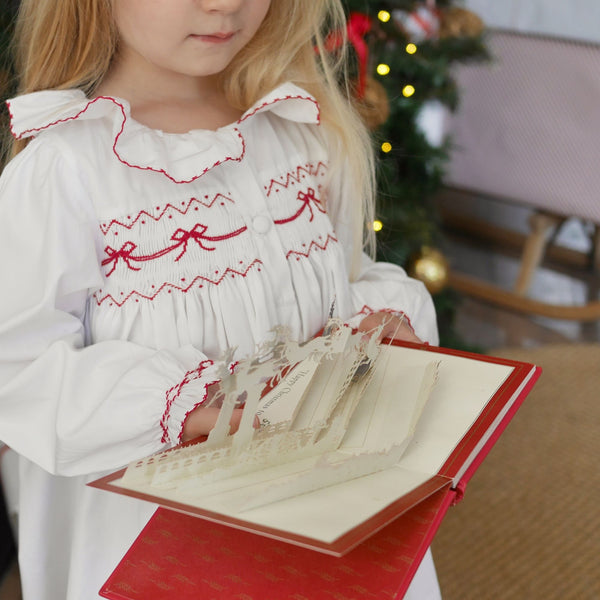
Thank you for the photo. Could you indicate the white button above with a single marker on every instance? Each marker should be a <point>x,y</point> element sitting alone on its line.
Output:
<point>261,224</point>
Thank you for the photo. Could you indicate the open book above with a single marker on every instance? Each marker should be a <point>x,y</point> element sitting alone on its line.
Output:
<point>352,435</point>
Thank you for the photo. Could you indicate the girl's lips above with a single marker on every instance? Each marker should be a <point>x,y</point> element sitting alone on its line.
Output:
<point>215,38</point>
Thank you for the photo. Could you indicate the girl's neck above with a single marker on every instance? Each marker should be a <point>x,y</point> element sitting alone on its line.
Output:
<point>173,105</point>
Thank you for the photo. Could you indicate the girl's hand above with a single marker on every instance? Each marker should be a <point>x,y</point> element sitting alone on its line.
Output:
<point>202,420</point>
<point>393,327</point>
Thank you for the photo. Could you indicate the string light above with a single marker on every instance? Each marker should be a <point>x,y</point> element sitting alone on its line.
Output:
<point>377,225</point>
<point>411,48</point>
<point>408,91</point>
<point>386,147</point>
<point>384,16</point>
<point>383,69</point>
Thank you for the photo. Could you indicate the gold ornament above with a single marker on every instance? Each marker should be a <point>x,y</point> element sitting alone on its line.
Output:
<point>431,267</point>
<point>374,106</point>
<point>460,22</point>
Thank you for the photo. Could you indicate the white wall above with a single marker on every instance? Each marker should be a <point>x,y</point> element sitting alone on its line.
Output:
<point>570,19</point>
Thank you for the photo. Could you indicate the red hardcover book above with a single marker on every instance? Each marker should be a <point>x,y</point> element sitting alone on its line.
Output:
<point>395,530</point>
<point>179,557</point>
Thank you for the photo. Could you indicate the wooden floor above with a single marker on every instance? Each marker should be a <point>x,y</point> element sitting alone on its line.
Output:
<point>486,325</point>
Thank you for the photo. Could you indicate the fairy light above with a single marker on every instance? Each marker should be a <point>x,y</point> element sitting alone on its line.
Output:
<point>386,147</point>
<point>383,69</point>
<point>384,16</point>
<point>411,48</point>
<point>377,226</point>
<point>408,91</point>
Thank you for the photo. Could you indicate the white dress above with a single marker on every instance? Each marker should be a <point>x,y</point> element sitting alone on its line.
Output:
<point>131,259</point>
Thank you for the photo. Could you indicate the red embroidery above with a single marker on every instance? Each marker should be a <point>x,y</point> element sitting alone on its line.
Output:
<point>124,253</point>
<point>193,202</point>
<point>11,120</point>
<point>174,393</point>
<point>197,234</point>
<point>296,176</point>
<point>199,280</point>
<point>163,171</point>
<point>276,100</point>
<point>116,141</point>
<point>181,238</point>
<point>26,132</point>
<point>153,169</point>
<point>313,245</point>
<point>308,200</point>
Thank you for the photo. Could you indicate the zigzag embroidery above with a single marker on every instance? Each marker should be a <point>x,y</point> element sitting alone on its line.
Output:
<point>313,245</point>
<point>171,286</point>
<point>187,205</point>
<point>296,176</point>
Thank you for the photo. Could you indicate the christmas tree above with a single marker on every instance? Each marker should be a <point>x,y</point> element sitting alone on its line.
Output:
<point>404,51</point>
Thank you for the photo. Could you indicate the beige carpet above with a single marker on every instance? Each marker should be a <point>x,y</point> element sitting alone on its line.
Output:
<point>529,525</point>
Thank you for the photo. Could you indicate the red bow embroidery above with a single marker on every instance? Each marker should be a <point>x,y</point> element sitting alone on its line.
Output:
<point>115,255</point>
<point>182,237</point>
<point>308,200</point>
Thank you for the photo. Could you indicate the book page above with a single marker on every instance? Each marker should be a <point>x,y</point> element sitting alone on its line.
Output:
<point>463,389</point>
<point>396,397</point>
<point>281,404</point>
<point>324,514</point>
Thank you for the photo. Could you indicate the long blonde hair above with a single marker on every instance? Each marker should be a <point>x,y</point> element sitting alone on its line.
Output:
<point>61,44</point>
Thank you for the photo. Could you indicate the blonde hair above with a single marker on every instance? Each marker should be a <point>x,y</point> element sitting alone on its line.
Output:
<point>62,44</point>
<point>290,46</point>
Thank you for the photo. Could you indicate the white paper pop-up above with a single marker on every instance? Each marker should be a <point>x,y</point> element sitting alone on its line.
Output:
<point>329,414</point>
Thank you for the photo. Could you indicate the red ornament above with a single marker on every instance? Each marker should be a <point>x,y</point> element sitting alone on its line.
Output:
<point>420,24</point>
<point>357,28</point>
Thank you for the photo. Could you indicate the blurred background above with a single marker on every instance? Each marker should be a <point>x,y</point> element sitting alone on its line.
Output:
<point>486,122</point>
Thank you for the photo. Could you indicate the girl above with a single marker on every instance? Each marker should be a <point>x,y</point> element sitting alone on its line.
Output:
<point>186,176</point>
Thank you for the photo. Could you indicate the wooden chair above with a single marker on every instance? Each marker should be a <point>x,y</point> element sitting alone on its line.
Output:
<point>528,131</point>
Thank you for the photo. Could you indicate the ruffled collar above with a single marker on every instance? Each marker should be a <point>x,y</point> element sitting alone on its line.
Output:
<point>182,158</point>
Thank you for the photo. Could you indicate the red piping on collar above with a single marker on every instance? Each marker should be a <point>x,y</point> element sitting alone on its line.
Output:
<point>276,100</point>
<point>116,140</point>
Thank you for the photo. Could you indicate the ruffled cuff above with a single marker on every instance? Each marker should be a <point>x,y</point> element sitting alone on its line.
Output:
<point>180,400</point>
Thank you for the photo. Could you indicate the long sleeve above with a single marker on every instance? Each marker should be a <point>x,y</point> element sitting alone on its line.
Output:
<point>379,285</point>
<point>68,407</point>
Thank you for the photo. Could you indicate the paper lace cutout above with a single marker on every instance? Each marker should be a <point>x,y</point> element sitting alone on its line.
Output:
<point>328,414</point>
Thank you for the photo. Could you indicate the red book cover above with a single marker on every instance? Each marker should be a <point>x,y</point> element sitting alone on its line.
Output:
<point>179,557</point>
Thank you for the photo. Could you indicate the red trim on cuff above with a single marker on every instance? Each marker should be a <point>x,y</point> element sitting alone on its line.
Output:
<point>187,414</point>
<point>173,393</point>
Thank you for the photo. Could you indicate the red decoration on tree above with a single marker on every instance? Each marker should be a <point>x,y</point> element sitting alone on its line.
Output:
<point>358,26</point>
<point>421,24</point>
